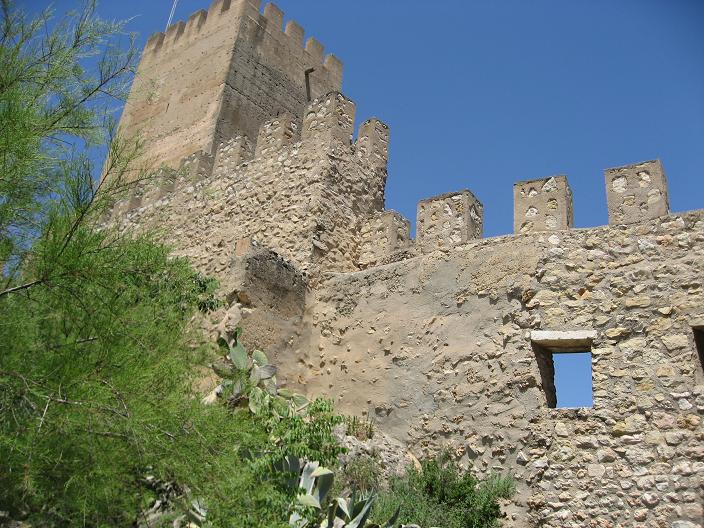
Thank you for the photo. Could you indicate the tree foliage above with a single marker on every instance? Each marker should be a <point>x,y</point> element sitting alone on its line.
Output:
<point>96,359</point>
<point>60,82</point>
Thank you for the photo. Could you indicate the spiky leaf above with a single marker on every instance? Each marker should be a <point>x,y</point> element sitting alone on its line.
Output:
<point>260,358</point>
<point>307,479</point>
<point>300,401</point>
<point>361,517</point>
<point>390,523</point>
<point>238,356</point>
<point>323,485</point>
<point>342,505</point>
<point>320,471</point>
<point>308,500</point>
<point>358,505</point>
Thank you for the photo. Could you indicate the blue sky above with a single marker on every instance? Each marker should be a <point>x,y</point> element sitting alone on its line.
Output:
<point>482,93</point>
<point>573,379</point>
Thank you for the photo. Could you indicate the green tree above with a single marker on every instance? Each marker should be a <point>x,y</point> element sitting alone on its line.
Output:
<point>61,81</point>
<point>96,357</point>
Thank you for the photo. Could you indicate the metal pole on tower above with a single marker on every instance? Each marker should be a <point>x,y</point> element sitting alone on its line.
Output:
<point>171,15</point>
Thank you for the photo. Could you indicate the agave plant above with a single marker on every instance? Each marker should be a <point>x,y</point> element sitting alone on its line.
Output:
<point>314,484</point>
<point>249,378</point>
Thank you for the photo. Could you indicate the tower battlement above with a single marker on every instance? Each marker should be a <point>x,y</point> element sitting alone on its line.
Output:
<point>180,34</point>
<point>223,73</point>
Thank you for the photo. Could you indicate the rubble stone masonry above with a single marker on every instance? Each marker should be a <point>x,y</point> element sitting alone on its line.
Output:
<point>448,339</point>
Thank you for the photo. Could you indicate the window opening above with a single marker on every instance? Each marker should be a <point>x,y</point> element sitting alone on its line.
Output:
<point>699,342</point>
<point>573,379</point>
<point>565,365</point>
<point>307,74</point>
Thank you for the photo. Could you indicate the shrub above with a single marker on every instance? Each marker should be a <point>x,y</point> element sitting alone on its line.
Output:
<point>361,474</point>
<point>442,494</point>
<point>360,428</point>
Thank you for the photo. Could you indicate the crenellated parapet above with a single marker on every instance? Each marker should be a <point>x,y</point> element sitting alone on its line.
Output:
<point>383,235</point>
<point>328,125</point>
<point>542,205</point>
<point>636,193</point>
<point>181,34</point>
<point>303,190</point>
<point>448,220</point>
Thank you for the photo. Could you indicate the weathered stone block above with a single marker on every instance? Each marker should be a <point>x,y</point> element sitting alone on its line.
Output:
<point>275,134</point>
<point>373,142</point>
<point>564,340</point>
<point>272,289</point>
<point>542,205</point>
<point>197,166</point>
<point>231,154</point>
<point>329,118</point>
<point>448,220</point>
<point>382,235</point>
<point>636,193</point>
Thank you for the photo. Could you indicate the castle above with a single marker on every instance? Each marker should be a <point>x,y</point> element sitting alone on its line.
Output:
<point>447,339</point>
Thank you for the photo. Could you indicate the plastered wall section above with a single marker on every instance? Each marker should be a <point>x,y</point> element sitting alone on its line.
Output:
<point>222,73</point>
<point>437,350</point>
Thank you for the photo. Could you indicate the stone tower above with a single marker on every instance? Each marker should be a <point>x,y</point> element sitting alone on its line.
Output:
<point>223,73</point>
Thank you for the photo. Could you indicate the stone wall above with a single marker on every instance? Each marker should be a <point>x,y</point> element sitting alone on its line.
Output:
<point>443,341</point>
<point>304,198</point>
<point>447,340</point>
<point>437,349</point>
